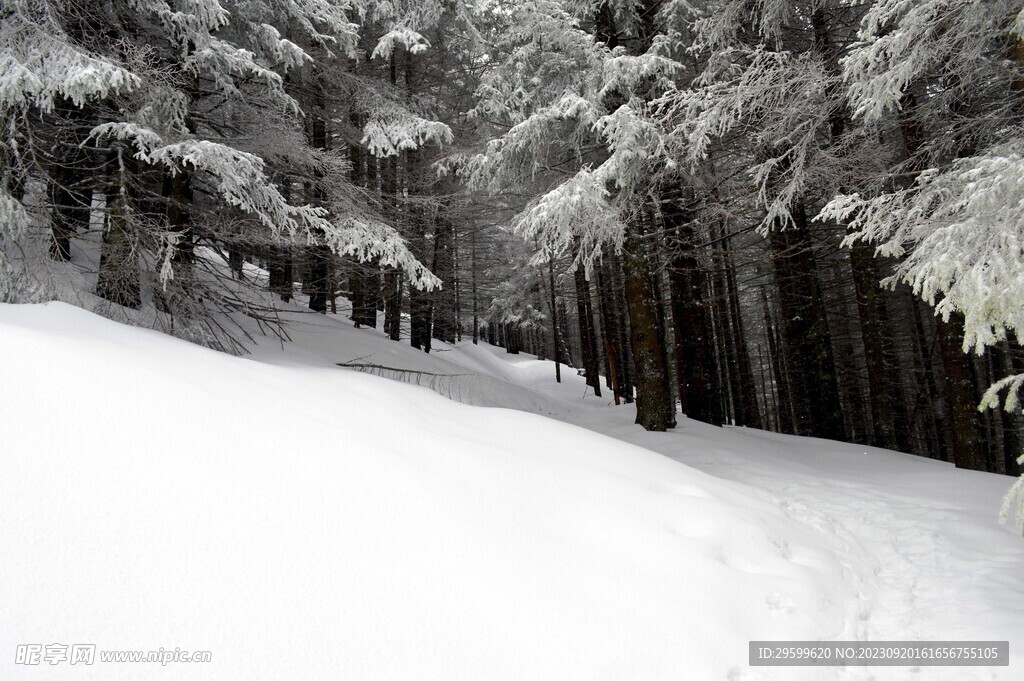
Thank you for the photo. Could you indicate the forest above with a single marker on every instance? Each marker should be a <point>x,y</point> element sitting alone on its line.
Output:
<point>802,216</point>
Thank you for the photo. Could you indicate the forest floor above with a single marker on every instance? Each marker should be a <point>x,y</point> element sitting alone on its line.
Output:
<point>305,521</point>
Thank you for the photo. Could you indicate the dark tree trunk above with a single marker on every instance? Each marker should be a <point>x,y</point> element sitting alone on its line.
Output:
<point>473,289</point>
<point>960,396</point>
<point>745,391</point>
<point>69,184</point>
<point>319,255</point>
<point>556,339</point>
<point>444,317</point>
<point>419,317</point>
<point>722,337</point>
<point>369,270</point>
<point>895,377</point>
<point>366,292</point>
<point>609,325</point>
<point>784,404</point>
<point>393,279</point>
<point>420,304</point>
<point>280,267</point>
<point>869,306</point>
<point>279,259</point>
<point>236,261</point>
<point>814,387</point>
<point>927,410</point>
<point>692,325</point>
<point>655,409</point>
<point>357,175</point>
<point>393,289</point>
<point>180,195</point>
<point>588,339</point>
<point>118,276</point>
<point>511,338</point>
<point>318,278</point>
<point>624,358</point>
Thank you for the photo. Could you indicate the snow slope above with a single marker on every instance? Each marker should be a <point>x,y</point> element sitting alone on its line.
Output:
<point>303,521</point>
<point>921,552</point>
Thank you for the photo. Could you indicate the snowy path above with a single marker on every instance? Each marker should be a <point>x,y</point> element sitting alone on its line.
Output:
<point>921,548</point>
<point>922,553</point>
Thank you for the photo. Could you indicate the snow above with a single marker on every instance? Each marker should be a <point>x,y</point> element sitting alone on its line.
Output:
<point>304,521</point>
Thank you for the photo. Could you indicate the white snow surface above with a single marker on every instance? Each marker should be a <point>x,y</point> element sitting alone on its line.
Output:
<point>307,522</point>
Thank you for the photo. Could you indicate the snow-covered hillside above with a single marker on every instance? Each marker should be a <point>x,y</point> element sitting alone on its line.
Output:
<point>305,522</point>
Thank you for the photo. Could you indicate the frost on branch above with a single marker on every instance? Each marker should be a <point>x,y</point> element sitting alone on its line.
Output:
<point>782,102</point>
<point>165,111</point>
<point>389,133</point>
<point>549,57</point>
<point>521,152</point>
<point>327,23</point>
<point>624,73</point>
<point>576,213</point>
<point>400,35</point>
<point>38,65</point>
<point>368,240</point>
<point>421,14</point>
<point>243,43</point>
<point>962,231</point>
<point>13,218</point>
<point>1012,384</point>
<point>572,101</point>
<point>276,49</point>
<point>633,140</point>
<point>1013,502</point>
<point>240,180</point>
<point>580,212</point>
<point>223,62</point>
<point>513,301</point>
<point>718,28</point>
<point>187,21</point>
<point>901,41</point>
<point>239,176</point>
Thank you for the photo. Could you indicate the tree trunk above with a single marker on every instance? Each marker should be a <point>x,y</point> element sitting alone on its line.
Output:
<point>927,410</point>
<point>959,391</point>
<point>118,276</point>
<point>745,390</point>
<point>555,335</point>
<point>868,305</point>
<point>814,387</point>
<point>691,316</point>
<point>654,406</point>
<point>69,177</point>
<point>588,340</point>
<point>623,357</point>
<point>610,328</point>
<point>280,267</point>
<point>473,288</point>
<point>443,300</point>
<point>318,279</point>
<point>784,403</point>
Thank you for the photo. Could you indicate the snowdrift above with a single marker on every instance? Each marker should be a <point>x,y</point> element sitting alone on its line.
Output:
<point>308,523</point>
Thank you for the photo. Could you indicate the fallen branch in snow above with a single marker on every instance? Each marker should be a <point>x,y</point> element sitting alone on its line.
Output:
<point>361,366</point>
<point>443,384</point>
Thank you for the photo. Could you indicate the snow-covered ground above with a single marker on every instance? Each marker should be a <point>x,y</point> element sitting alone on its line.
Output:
<point>305,522</point>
